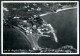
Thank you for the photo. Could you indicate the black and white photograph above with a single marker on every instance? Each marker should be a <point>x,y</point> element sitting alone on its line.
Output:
<point>39,27</point>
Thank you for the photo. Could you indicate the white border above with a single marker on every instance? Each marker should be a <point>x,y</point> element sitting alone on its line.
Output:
<point>39,2</point>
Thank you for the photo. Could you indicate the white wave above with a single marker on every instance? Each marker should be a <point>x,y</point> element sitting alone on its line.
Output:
<point>57,11</point>
<point>45,14</point>
<point>64,9</point>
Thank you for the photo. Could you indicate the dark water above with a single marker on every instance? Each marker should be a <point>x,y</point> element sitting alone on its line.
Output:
<point>65,25</point>
<point>14,39</point>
